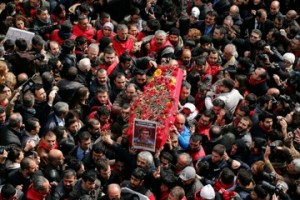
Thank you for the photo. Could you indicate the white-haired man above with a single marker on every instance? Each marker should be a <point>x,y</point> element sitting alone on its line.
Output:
<point>159,47</point>
<point>229,57</point>
<point>84,75</point>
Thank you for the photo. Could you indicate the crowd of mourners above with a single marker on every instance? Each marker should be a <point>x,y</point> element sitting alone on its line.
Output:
<point>68,83</point>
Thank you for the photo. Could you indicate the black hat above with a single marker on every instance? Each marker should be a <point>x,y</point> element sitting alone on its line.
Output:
<point>174,31</point>
<point>205,39</point>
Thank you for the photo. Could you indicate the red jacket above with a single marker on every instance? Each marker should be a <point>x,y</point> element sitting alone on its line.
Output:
<point>214,70</point>
<point>155,50</point>
<point>197,155</point>
<point>100,35</point>
<point>108,68</point>
<point>55,37</point>
<point>88,34</point>
<point>32,194</point>
<point>122,46</point>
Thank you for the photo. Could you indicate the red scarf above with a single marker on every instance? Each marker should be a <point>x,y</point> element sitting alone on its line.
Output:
<point>45,147</point>
<point>255,82</point>
<point>264,129</point>
<point>219,185</point>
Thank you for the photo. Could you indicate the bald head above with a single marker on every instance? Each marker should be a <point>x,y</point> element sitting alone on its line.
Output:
<point>56,157</point>
<point>113,191</point>
<point>291,15</point>
<point>173,63</point>
<point>179,122</point>
<point>273,92</point>
<point>274,7</point>
<point>21,78</point>
<point>234,10</point>
<point>55,153</point>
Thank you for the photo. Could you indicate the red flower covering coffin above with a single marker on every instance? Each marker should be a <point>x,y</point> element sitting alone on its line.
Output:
<point>159,102</point>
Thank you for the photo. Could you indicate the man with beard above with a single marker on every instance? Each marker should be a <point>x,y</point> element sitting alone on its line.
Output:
<point>83,145</point>
<point>199,74</point>
<point>100,99</point>
<point>101,81</point>
<point>216,163</point>
<point>95,155</point>
<point>195,148</point>
<point>136,183</point>
<point>64,187</point>
<point>140,79</point>
<point>190,182</point>
<point>185,60</point>
<point>264,128</point>
<point>176,40</point>
<point>108,60</point>
<point>105,174</point>
<point>93,127</point>
<point>123,41</point>
<point>160,47</point>
<point>88,187</point>
<point>205,123</point>
<point>22,178</point>
<point>207,27</point>
<point>213,62</point>
<point>125,97</point>
<point>120,121</point>
<point>241,130</point>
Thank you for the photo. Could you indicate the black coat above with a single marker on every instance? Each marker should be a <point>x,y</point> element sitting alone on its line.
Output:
<point>9,137</point>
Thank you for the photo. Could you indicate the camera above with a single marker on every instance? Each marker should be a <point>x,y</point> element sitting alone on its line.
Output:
<point>263,57</point>
<point>39,57</point>
<point>270,177</point>
<point>152,7</point>
<point>274,102</point>
<point>271,188</point>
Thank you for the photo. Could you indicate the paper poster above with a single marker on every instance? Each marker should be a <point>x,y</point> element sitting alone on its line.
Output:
<point>14,33</point>
<point>144,135</point>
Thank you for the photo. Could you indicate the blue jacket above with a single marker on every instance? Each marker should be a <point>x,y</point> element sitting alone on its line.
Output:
<point>184,138</point>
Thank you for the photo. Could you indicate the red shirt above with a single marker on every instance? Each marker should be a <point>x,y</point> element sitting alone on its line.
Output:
<point>88,34</point>
<point>122,46</point>
<point>55,37</point>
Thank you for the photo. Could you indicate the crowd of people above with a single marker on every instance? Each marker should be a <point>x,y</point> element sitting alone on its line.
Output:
<point>66,95</point>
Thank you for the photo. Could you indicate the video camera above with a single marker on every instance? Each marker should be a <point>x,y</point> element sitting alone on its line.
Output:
<point>271,188</point>
<point>270,177</point>
<point>152,7</point>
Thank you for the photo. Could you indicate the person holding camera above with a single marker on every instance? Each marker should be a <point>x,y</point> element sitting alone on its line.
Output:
<point>151,11</point>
